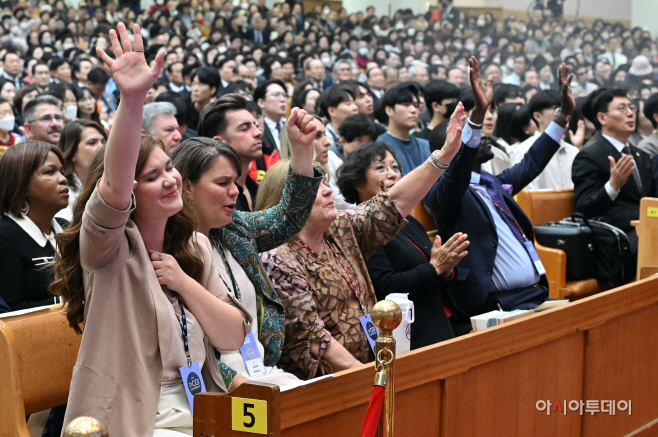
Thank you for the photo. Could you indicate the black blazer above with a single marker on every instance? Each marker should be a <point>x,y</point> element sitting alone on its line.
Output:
<point>268,138</point>
<point>399,267</point>
<point>591,171</point>
<point>250,35</point>
<point>457,207</point>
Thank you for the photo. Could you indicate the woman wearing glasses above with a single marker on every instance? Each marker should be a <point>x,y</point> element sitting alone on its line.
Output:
<point>321,276</point>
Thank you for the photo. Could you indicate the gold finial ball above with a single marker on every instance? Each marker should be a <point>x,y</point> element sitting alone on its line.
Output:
<point>85,427</point>
<point>386,315</point>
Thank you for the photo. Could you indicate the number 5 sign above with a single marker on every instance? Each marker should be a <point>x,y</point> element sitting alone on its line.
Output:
<point>249,415</point>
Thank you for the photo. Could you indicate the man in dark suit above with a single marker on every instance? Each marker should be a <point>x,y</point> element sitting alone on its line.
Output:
<point>450,13</point>
<point>611,176</point>
<point>257,33</point>
<point>502,269</point>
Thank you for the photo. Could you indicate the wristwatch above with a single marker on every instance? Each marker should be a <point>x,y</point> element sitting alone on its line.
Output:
<point>562,115</point>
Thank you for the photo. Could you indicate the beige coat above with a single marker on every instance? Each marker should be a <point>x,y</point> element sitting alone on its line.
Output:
<point>127,330</point>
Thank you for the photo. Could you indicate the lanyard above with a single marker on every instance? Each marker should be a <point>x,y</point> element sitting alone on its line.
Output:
<point>236,289</point>
<point>511,218</point>
<point>347,278</point>
<point>183,326</point>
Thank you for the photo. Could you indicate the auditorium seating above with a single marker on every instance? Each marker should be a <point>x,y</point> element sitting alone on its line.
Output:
<point>37,354</point>
<point>422,214</point>
<point>647,233</point>
<point>492,382</point>
<point>541,207</point>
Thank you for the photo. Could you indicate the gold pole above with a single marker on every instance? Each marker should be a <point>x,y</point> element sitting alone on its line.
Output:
<point>386,316</point>
<point>85,426</point>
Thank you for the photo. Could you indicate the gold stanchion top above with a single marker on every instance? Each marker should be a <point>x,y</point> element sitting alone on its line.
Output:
<point>386,315</point>
<point>85,427</point>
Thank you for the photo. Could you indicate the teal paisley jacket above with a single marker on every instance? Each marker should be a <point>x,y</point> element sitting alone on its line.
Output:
<point>250,233</point>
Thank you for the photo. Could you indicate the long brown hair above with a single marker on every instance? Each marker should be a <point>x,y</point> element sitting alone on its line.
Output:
<point>68,144</point>
<point>179,233</point>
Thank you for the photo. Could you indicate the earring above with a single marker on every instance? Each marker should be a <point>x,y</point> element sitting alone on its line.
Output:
<point>25,209</point>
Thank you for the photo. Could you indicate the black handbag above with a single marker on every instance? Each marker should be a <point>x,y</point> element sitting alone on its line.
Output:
<point>576,238</point>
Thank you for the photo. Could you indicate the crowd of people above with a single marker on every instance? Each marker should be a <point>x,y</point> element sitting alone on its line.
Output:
<point>226,187</point>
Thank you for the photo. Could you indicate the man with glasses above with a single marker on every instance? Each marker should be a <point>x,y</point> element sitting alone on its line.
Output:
<point>402,106</point>
<point>610,176</point>
<point>582,86</point>
<point>272,98</point>
<point>43,119</point>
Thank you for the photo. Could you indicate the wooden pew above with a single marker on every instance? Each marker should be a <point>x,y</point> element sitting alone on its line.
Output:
<point>37,354</point>
<point>542,207</point>
<point>598,348</point>
<point>647,233</point>
<point>422,214</point>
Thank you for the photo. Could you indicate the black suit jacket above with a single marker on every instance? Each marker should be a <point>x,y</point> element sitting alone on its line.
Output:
<point>268,138</point>
<point>399,267</point>
<point>591,171</point>
<point>250,35</point>
<point>654,160</point>
<point>459,208</point>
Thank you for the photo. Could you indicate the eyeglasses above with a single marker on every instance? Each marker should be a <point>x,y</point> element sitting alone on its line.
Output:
<point>279,94</point>
<point>48,119</point>
<point>381,169</point>
<point>624,108</point>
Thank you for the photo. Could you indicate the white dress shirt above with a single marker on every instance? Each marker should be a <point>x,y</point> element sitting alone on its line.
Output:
<point>620,148</point>
<point>276,132</point>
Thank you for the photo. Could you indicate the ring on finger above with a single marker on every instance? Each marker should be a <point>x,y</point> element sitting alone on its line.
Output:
<point>160,256</point>
<point>141,51</point>
<point>453,255</point>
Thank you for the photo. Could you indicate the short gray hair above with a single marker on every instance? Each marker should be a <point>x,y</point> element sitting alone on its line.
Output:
<point>413,68</point>
<point>152,110</point>
<point>30,109</point>
<point>337,64</point>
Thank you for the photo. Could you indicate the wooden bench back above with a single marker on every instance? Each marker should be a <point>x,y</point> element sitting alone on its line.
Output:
<point>647,233</point>
<point>37,354</point>
<point>542,207</point>
<point>422,214</point>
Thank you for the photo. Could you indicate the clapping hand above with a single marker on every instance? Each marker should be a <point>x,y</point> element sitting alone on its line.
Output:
<point>620,171</point>
<point>130,71</point>
<point>445,257</point>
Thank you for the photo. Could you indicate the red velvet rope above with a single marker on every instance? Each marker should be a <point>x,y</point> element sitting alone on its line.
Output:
<point>374,409</point>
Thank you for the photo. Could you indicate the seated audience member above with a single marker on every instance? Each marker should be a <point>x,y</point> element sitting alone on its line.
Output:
<point>320,144</point>
<point>503,145</point>
<point>557,173</point>
<point>336,105</point>
<point>409,263</point>
<point>43,119</point>
<point>7,120</point>
<point>611,177</point>
<point>401,105</point>
<point>499,271</point>
<point>24,95</point>
<point>320,274</point>
<point>355,130</point>
<point>507,93</point>
<point>272,98</point>
<point>87,108</point>
<point>205,83</point>
<point>32,190</point>
<point>650,143</point>
<point>305,98</point>
<point>209,171</point>
<point>227,119</point>
<point>159,121</point>
<point>79,142</point>
<point>441,99</point>
<point>135,272</point>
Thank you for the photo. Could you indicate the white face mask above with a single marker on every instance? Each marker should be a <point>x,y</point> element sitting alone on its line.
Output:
<point>67,46</point>
<point>326,11</point>
<point>481,23</point>
<point>470,46</point>
<point>326,62</point>
<point>510,63</point>
<point>363,51</point>
<point>70,112</point>
<point>7,123</point>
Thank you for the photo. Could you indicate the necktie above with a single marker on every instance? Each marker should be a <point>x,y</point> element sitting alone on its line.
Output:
<point>278,130</point>
<point>499,201</point>
<point>258,37</point>
<point>636,174</point>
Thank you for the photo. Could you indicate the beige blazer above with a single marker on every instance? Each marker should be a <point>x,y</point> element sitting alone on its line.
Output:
<point>127,330</point>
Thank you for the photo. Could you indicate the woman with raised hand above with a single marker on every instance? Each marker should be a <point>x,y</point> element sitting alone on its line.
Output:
<point>140,280</point>
<point>320,274</point>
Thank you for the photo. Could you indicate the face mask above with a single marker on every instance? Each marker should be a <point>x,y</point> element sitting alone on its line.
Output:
<point>457,45</point>
<point>67,46</point>
<point>399,26</point>
<point>70,112</point>
<point>244,5</point>
<point>470,46</point>
<point>326,62</point>
<point>388,47</point>
<point>510,63</point>
<point>488,40</point>
<point>363,51</point>
<point>47,41</point>
<point>481,23</point>
<point>15,30</point>
<point>326,11</point>
<point>605,36</point>
<point>411,32</point>
<point>7,123</point>
<point>145,33</point>
<point>221,49</point>
<point>204,46</point>
<point>24,25</point>
<point>496,61</point>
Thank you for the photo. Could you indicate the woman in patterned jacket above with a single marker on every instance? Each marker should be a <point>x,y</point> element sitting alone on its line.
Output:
<point>209,169</point>
<point>321,276</point>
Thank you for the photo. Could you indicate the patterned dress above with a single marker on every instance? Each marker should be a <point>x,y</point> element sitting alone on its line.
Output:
<point>250,233</point>
<point>319,303</point>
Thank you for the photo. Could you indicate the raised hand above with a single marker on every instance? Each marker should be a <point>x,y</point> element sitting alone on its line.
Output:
<point>483,93</point>
<point>568,103</point>
<point>130,71</point>
<point>620,171</point>
<point>454,136</point>
<point>301,129</point>
<point>578,138</point>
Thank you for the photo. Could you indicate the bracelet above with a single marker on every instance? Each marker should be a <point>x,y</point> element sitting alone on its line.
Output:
<point>473,125</point>
<point>435,161</point>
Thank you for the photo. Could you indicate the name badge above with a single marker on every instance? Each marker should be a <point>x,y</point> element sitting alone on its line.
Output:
<point>535,257</point>
<point>370,329</point>
<point>251,357</point>
<point>193,382</point>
